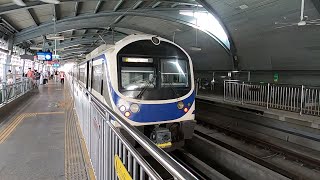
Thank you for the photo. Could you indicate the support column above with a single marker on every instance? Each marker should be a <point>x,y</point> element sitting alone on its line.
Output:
<point>6,68</point>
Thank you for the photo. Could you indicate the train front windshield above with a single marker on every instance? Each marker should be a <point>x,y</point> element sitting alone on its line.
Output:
<point>154,77</point>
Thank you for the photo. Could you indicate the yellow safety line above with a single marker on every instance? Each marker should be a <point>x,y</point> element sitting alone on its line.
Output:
<point>9,129</point>
<point>86,154</point>
<point>5,133</point>
<point>47,113</point>
<point>65,147</point>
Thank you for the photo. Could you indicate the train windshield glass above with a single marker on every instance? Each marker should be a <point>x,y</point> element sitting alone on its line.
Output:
<point>137,77</point>
<point>151,71</point>
<point>161,78</point>
<point>174,73</point>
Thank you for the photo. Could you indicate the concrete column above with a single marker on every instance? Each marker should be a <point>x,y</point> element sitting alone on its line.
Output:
<point>6,68</point>
<point>8,60</point>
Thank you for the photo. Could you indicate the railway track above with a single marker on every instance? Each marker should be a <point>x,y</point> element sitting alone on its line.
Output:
<point>288,154</point>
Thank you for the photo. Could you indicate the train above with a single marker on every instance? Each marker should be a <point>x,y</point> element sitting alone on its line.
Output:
<point>149,81</point>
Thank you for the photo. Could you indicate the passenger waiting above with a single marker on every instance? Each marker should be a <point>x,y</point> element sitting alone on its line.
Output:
<point>62,77</point>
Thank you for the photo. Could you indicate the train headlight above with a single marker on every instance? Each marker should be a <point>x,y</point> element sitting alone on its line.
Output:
<point>127,114</point>
<point>180,105</point>
<point>134,108</point>
<point>122,108</point>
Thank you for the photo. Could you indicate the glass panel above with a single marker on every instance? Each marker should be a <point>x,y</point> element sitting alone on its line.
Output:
<point>174,72</point>
<point>137,77</point>
<point>82,73</point>
<point>206,21</point>
<point>97,77</point>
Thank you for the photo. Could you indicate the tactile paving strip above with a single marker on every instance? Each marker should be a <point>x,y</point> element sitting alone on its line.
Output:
<point>75,165</point>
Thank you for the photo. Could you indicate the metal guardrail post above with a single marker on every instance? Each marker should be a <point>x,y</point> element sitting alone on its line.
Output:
<point>268,95</point>
<point>302,99</point>
<point>224,90</point>
<point>4,87</point>
<point>242,93</point>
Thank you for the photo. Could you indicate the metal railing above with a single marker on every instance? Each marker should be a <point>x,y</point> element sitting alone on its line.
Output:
<point>111,154</point>
<point>300,99</point>
<point>9,92</point>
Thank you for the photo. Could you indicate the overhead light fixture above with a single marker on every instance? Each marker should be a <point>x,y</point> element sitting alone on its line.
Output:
<point>35,48</point>
<point>55,37</point>
<point>195,48</point>
<point>243,6</point>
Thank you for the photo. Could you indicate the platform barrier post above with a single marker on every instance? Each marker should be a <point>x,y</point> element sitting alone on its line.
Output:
<point>268,95</point>
<point>224,90</point>
<point>242,93</point>
<point>4,94</point>
<point>302,99</point>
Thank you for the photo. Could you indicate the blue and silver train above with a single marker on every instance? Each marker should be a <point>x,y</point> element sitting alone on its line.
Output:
<point>148,80</point>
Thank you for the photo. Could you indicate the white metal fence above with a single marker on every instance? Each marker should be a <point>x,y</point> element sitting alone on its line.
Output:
<point>301,99</point>
<point>9,92</point>
<point>112,156</point>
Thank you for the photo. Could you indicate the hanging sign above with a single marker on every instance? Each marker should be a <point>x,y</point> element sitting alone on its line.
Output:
<point>275,77</point>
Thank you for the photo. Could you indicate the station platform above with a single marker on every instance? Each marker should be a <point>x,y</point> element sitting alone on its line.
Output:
<point>281,115</point>
<point>37,141</point>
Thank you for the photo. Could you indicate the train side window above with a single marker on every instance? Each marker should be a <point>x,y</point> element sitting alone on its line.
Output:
<point>82,73</point>
<point>97,78</point>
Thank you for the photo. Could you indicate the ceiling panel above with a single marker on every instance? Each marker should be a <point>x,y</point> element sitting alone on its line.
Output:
<point>44,14</point>
<point>87,7</point>
<point>66,9</point>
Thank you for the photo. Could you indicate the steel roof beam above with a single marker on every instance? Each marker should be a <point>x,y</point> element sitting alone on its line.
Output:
<point>137,4</point>
<point>156,4</point>
<point>85,41</point>
<point>118,5</point>
<point>88,20</point>
<point>119,18</point>
<point>316,4</point>
<point>96,10</point>
<point>76,7</point>
<point>9,25</point>
<point>32,17</point>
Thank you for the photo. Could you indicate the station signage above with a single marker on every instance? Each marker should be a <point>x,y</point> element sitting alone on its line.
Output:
<point>56,65</point>
<point>44,56</point>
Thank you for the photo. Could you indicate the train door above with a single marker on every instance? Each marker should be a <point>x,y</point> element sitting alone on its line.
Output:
<point>89,73</point>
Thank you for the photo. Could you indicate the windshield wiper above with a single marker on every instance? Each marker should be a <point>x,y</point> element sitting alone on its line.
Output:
<point>173,89</point>
<point>146,87</point>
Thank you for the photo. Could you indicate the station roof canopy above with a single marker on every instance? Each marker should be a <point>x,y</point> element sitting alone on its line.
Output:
<point>246,28</point>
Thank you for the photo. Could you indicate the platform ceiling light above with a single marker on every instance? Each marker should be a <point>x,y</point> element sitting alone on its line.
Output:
<point>22,3</point>
<point>203,20</point>
<point>243,6</point>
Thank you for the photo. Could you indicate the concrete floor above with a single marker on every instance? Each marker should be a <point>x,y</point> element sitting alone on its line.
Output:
<point>33,140</point>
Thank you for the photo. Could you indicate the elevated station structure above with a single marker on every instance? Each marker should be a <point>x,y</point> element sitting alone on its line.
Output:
<point>257,56</point>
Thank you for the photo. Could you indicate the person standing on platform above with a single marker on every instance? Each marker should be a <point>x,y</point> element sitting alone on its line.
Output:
<point>56,76</point>
<point>30,76</point>
<point>9,83</point>
<point>62,77</point>
<point>9,77</point>
<point>41,78</point>
<point>45,77</point>
<point>37,78</point>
